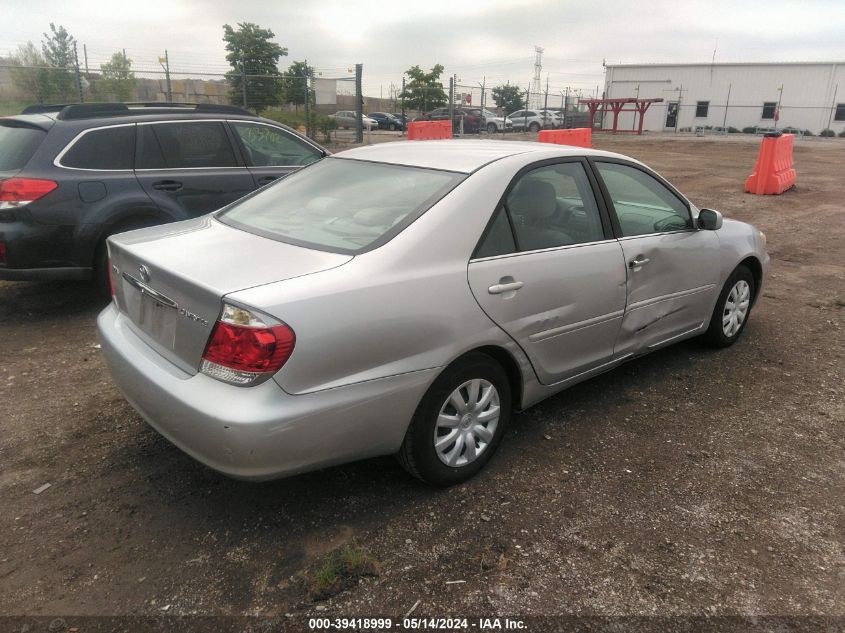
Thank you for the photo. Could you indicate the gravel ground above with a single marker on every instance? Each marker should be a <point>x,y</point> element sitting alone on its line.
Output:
<point>689,482</point>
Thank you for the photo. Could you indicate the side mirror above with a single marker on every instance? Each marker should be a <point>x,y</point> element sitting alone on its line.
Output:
<point>709,220</point>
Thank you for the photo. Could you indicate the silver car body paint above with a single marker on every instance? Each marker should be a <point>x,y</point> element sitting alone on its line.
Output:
<point>373,331</point>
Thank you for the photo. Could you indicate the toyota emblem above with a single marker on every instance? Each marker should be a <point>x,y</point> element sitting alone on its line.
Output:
<point>145,273</point>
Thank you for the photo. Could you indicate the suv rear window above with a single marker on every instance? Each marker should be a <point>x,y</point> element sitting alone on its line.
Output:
<point>17,144</point>
<point>105,148</point>
<point>342,205</point>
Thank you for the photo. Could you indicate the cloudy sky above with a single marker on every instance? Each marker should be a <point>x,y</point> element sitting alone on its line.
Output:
<point>472,38</point>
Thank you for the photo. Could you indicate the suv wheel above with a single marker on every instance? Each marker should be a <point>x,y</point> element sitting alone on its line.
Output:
<point>534,127</point>
<point>491,128</point>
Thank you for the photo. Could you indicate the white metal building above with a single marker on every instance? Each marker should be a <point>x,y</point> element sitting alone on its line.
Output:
<point>802,95</point>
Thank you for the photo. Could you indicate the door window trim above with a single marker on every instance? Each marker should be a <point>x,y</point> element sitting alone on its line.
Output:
<point>604,215</point>
<point>617,228</point>
<point>57,161</point>
<point>235,149</point>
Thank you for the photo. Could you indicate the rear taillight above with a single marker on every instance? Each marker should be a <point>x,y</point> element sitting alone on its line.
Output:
<point>18,192</point>
<point>243,348</point>
<point>2,252</point>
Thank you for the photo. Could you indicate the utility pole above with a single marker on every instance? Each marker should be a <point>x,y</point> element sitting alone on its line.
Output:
<point>243,81</point>
<point>727,103</point>
<point>85,53</point>
<point>307,99</point>
<point>546,102</point>
<point>78,75</point>
<point>359,105</point>
<point>777,109</point>
<point>452,100</point>
<point>483,86</point>
<point>164,62</point>
<point>634,123</point>
<point>402,98</point>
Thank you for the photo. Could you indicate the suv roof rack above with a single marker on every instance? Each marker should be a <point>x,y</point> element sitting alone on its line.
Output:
<point>69,111</point>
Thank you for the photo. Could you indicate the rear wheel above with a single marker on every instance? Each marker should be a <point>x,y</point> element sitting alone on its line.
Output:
<point>732,309</point>
<point>459,423</point>
<point>491,128</point>
<point>534,127</point>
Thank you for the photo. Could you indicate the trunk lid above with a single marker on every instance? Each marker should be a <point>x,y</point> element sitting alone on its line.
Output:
<point>171,279</point>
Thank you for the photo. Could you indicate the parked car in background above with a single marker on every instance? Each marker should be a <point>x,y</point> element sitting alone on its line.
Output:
<point>404,298</point>
<point>551,118</point>
<point>530,120</point>
<point>387,121</point>
<point>405,118</point>
<point>71,175</point>
<point>491,121</point>
<point>346,119</point>
<point>471,122</point>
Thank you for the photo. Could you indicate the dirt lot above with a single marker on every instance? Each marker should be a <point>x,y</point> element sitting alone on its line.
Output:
<point>688,482</point>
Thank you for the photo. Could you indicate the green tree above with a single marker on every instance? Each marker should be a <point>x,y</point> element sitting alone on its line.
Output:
<point>118,80</point>
<point>508,97</point>
<point>251,52</point>
<point>424,91</point>
<point>58,49</point>
<point>294,84</point>
<point>30,74</point>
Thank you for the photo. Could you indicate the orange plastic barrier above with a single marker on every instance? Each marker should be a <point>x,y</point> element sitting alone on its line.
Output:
<point>429,130</point>
<point>773,173</point>
<point>578,137</point>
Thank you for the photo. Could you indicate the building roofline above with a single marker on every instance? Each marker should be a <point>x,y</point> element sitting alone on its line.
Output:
<point>708,64</point>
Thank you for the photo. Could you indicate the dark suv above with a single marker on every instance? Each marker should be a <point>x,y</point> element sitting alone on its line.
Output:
<point>71,175</point>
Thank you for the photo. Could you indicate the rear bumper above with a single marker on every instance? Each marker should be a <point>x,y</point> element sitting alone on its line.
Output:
<point>41,252</point>
<point>259,432</point>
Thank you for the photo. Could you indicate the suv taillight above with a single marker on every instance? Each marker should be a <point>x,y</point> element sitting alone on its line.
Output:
<point>243,348</point>
<point>17,192</point>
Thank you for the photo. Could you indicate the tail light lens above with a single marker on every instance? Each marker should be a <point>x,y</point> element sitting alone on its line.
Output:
<point>2,252</point>
<point>18,192</point>
<point>243,349</point>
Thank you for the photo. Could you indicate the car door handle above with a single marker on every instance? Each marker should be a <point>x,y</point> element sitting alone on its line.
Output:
<point>638,261</point>
<point>497,289</point>
<point>167,185</point>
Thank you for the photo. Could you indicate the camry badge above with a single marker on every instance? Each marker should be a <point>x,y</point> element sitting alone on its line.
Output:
<point>144,272</point>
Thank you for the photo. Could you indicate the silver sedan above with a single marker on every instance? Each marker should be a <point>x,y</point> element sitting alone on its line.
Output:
<point>405,298</point>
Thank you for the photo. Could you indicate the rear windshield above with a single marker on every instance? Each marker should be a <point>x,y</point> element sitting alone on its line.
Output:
<point>342,205</point>
<point>17,144</point>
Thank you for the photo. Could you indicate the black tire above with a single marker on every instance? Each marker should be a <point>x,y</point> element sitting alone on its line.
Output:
<point>418,455</point>
<point>715,335</point>
<point>491,128</point>
<point>534,127</point>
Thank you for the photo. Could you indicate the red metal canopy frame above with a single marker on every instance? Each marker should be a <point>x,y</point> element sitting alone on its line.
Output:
<point>616,106</point>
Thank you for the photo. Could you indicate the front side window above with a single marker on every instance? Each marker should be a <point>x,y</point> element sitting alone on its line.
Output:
<point>107,149</point>
<point>701,109</point>
<point>267,146</point>
<point>769,108</point>
<point>840,112</point>
<point>185,145</point>
<point>342,205</point>
<point>643,204</point>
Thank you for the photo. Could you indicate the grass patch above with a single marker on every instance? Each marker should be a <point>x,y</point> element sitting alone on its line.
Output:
<point>339,570</point>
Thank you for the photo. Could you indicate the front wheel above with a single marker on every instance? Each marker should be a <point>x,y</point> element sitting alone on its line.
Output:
<point>491,128</point>
<point>732,309</point>
<point>459,423</point>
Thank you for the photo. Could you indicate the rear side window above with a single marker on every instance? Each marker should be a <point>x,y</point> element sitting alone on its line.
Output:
<point>185,145</point>
<point>270,146</point>
<point>17,145</point>
<point>342,205</point>
<point>107,148</point>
